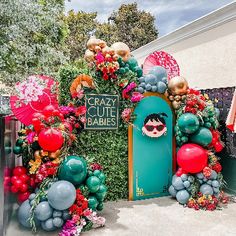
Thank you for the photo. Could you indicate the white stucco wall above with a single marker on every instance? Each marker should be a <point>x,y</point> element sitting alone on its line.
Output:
<point>206,59</point>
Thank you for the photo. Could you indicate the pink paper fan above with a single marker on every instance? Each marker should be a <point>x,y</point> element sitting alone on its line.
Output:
<point>161,58</point>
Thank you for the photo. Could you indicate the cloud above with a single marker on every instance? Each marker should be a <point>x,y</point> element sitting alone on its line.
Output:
<point>169,14</point>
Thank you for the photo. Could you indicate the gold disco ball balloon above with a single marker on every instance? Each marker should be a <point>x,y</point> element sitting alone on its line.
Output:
<point>92,43</point>
<point>89,55</point>
<point>178,85</point>
<point>122,50</point>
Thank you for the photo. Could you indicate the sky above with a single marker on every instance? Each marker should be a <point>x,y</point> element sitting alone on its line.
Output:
<point>169,14</point>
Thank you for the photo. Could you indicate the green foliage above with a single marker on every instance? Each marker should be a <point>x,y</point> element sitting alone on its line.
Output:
<point>108,147</point>
<point>31,38</point>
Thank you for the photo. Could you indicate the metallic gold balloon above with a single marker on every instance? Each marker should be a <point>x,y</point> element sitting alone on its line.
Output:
<point>89,55</point>
<point>178,85</point>
<point>102,44</point>
<point>97,49</point>
<point>176,105</point>
<point>122,50</point>
<point>92,43</point>
<point>171,98</point>
<point>106,50</point>
<point>177,98</point>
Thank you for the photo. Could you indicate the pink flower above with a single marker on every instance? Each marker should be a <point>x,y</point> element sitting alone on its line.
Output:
<point>80,94</point>
<point>83,119</point>
<point>136,97</point>
<point>126,113</point>
<point>30,137</point>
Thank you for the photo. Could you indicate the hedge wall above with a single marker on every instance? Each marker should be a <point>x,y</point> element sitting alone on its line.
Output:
<point>108,148</point>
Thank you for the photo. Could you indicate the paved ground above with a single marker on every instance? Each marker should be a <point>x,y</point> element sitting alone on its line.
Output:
<point>155,217</point>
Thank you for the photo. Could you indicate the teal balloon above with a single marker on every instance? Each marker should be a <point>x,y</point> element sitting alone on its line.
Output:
<point>92,203</point>
<point>172,191</point>
<point>159,72</point>
<point>73,169</point>
<point>43,211</point>
<point>100,206</point>
<point>102,177</point>
<point>182,196</point>
<point>93,183</point>
<point>132,62</point>
<point>97,173</point>
<point>139,71</point>
<point>61,195</point>
<point>48,225</point>
<point>101,193</point>
<point>24,214</point>
<point>188,123</point>
<point>203,137</point>
<point>206,189</point>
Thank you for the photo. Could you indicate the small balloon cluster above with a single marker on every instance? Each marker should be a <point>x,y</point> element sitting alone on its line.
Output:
<point>197,138</point>
<point>154,81</point>
<point>55,187</point>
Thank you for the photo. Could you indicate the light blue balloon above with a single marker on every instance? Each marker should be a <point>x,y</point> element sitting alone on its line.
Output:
<point>178,183</point>
<point>48,225</point>
<point>209,182</point>
<point>216,190</point>
<point>164,80</point>
<point>184,177</point>
<point>200,175</point>
<point>57,214</point>
<point>206,189</point>
<point>32,196</point>
<point>161,87</point>
<point>43,211</point>
<point>142,85</point>
<point>172,191</point>
<point>204,179</point>
<point>140,90</point>
<point>213,175</point>
<point>200,181</point>
<point>159,72</point>
<point>182,196</point>
<point>150,79</point>
<point>148,87</point>
<point>186,184</point>
<point>66,215</point>
<point>191,179</point>
<point>217,112</point>
<point>61,195</point>
<point>141,79</point>
<point>57,222</point>
<point>154,88</point>
<point>24,214</point>
<point>215,184</point>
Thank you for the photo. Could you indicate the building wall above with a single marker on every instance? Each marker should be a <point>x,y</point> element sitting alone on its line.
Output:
<point>206,59</point>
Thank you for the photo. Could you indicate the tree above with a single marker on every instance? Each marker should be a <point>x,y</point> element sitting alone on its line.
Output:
<point>32,37</point>
<point>129,25</point>
<point>81,27</point>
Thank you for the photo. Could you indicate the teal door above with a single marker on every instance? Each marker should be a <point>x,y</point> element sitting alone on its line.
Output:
<point>150,158</point>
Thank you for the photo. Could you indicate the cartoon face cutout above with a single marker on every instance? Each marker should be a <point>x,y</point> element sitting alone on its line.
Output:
<point>155,125</point>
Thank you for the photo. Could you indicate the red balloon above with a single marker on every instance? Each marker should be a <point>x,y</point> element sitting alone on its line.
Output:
<point>50,139</point>
<point>24,188</point>
<point>218,147</point>
<point>21,197</point>
<point>48,110</point>
<point>19,170</point>
<point>192,158</point>
<point>14,189</point>
<point>25,178</point>
<point>18,183</point>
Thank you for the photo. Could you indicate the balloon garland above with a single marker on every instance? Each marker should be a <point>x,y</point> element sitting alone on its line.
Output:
<point>198,182</point>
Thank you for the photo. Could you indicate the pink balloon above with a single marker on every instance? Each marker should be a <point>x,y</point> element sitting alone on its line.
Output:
<point>192,158</point>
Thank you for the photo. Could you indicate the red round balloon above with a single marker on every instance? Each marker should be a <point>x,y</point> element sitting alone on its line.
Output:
<point>21,197</point>
<point>50,139</point>
<point>192,158</point>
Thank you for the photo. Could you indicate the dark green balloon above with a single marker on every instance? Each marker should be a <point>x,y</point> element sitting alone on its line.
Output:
<point>121,71</point>
<point>93,183</point>
<point>139,71</point>
<point>188,123</point>
<point>73,169</point>
<point>7,150</point>
<point>101,193</point>
<point>17,150</point>
<point>19,142</point>
<point>132,63</point>
<point>100,206</point>
<point>92,203</point>
<point>203,137</point>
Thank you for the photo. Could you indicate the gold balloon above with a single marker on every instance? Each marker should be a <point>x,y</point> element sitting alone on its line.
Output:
<point>37,155</point>
<point>176,105</point>
<point>106,50</point>
<point>97,49</point>
<point>89,55</point>
<point>102,44</point>
<point>177,98</point>
<point>115,57</point>
<point>92,43</point>
<point>178,85</point>
<point>122,50</point>
<point>171,98</point>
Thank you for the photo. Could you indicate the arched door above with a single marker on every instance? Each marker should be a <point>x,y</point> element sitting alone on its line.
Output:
<point>151,158</point>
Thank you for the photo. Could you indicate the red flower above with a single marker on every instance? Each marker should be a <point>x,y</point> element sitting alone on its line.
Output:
<point>105,77</point>
<point>80,111</point>
<point>211,207</point>
<point>217,167</point>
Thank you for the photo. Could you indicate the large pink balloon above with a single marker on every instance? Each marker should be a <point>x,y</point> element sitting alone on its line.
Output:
<point>192,158</point>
